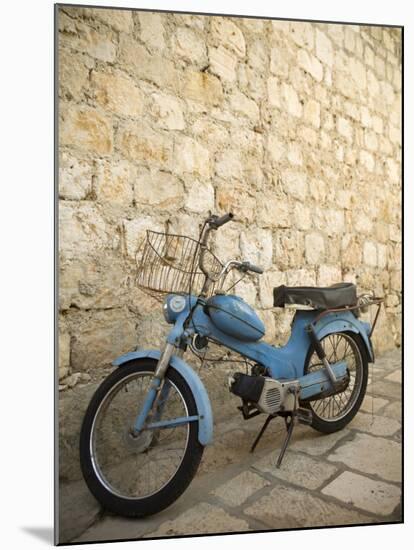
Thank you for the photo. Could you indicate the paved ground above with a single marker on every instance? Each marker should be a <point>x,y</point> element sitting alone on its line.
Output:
<point>350,477</point>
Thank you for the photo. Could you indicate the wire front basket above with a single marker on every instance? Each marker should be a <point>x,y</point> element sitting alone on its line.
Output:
<point>169,263</point>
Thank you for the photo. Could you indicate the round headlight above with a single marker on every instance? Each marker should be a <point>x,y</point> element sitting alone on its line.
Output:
<point>177,304</point>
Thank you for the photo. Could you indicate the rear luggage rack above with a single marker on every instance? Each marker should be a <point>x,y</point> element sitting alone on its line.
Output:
<point>363,303</point>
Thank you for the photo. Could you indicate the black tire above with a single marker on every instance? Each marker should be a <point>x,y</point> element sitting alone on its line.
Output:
<point>330,425</point>
<point>139,507</point>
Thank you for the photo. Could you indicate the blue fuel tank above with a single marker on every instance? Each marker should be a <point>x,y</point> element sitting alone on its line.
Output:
<point>234,317</point>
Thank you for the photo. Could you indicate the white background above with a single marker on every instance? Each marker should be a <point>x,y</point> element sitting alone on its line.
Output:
<point>26,270</point>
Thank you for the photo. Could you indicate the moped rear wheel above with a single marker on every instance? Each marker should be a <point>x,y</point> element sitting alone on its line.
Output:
<point>333,413</point>
<point>138,476</point>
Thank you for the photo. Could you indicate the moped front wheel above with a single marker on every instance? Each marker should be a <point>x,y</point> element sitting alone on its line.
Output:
<point>333,413</point>
<point>140,475</point>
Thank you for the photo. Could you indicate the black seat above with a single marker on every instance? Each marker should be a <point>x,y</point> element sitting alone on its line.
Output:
<point>328,297</point>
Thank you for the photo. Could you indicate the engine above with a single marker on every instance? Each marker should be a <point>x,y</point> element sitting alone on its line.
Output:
<point>268,395</point>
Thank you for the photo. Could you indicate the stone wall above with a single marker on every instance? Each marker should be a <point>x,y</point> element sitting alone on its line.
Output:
<point>293,126</point>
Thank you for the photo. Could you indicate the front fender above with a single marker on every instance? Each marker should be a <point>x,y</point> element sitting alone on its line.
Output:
<point>345,321</point>
<point>205,423</point>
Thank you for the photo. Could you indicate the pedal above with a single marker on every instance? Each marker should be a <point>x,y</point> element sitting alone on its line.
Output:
<point>246,411</point>
<point>304,416</point>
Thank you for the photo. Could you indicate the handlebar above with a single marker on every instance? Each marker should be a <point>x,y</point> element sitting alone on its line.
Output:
<point>215,222</point>
<point>247,266</point>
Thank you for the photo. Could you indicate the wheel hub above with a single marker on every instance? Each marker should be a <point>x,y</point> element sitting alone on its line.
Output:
<point>138,442</point>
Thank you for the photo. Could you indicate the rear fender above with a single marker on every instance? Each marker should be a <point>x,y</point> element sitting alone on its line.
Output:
<point>342,322</point>
<point>205,423</point>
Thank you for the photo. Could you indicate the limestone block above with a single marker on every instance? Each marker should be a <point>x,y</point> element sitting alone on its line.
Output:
<point>324,49</point>
<point>140,143</point>
<point>370,254</point>
<point>232,196</point>
<point>240,103</point>
<point>160,189</point>
<point>367,160</point>
<point>222,63</point>
<point>155,67</point>
<point>75,177</point>
<point>377,124</point>
<point>168,111</point>
<point>314,248</point>
<point>276,148</point>
<point>64,354</point>
<point>273,211</point>
<point>310,64</point>
<point>85,39</point>
<point>258,55</point>
<point>371,140</point>
<point>99,284</point>
<point>257,247</point>
<point>382,255</point>
<point>117,93</point>
<point>199,196</point>
<point>152,29</point>
<point>73,74</point>
<point>291,100</point>
<point>302,34</point>
<point>295,154</point>
<point>329,275</point>
<point>190,46</point>
<point>229,164</point>
<point>312,113</point>
<point>101,338</point>
<point>203,87</point>
<point>344,128</point>
<point>267,282</point>
<point>246,290</point>
<point>273,91</point>
<point>120,20</point>
<point>302,217</point>
<point>278,63</point>
<point>114,182</point>
<point>191,157</point>
<point>85,129</point>
<point>289,249</point>
<point>134,232</point>
<point>295,184</point>
<point>82,230</point>
<point>229,35</point>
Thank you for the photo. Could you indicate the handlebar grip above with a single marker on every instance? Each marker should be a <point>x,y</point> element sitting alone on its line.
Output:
<point>250,267</point>
<point>216,222</point>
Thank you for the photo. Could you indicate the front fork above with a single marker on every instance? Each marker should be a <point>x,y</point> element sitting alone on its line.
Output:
<point>158,395</point>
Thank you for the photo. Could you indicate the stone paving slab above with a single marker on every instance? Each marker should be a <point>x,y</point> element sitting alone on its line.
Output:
<point>393,410</point>
<point>202,519</point>
<point>371,455</point>
<point>395,376</point>
<point>309,441</point>
<point>373,404</point>
<point>297,469</point>
<point>236,491</point>
<point>377,497</point>
<point>375,424</point>
<point>288,507</point>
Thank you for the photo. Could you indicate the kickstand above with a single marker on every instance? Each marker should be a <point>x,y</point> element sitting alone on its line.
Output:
<point>290,424</point>
<point>262,431</point>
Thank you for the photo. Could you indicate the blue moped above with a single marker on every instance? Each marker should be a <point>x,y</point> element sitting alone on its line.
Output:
<point>147,424</point>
